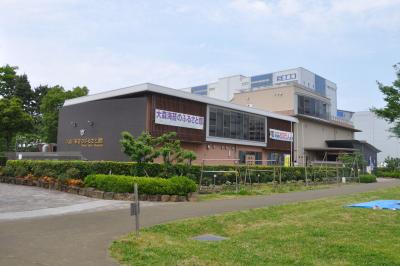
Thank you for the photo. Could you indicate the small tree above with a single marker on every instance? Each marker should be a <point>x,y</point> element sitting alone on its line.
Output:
<point>353,161</point>
<point>189,157</point>
<point>140,150</point>
<point>13,120</point>
<point>170,148</point>
<point>392,163</point>
<point>391,112</point>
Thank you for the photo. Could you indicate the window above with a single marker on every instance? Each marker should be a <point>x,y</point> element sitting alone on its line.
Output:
<point>313,107</point>
<point>243,155</point>
<point>227,123</point>
<point>200,90</point>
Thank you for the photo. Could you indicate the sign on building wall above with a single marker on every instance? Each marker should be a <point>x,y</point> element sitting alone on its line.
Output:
<point>178,119</point>
<point>280,135</point>
<point>86,142</point>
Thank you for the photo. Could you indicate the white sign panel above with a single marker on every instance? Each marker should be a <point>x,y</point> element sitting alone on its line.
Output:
<point>280,135</point>
<point>178,119</point>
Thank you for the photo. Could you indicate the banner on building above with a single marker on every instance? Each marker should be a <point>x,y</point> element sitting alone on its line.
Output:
<point>280,135</point>
<point>170,118</point>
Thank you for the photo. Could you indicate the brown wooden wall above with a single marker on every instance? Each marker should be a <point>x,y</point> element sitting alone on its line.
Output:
<point>278,124</point>
<point>174,104</point>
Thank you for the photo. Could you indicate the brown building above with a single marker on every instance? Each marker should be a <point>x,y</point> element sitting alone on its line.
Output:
<point>212,128</point>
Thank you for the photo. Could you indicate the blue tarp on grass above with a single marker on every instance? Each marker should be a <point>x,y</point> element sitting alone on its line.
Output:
<point>379,204</point>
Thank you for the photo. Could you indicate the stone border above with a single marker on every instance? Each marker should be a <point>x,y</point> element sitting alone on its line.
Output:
<point>93,193</point>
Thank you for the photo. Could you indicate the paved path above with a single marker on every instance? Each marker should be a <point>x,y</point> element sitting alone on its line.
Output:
<point>83,239</point>
<point>21,202</point>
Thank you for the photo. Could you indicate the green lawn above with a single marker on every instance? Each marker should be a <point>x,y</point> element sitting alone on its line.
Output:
<point>262,189</point>
<point>319,232</point>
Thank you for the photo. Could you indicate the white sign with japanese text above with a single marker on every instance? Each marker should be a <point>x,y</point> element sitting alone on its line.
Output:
<point>178,119</point>
<point>280,135</point>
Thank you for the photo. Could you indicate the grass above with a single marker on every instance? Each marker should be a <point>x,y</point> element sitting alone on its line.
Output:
<point>319,232</point>
<point>262,189</point>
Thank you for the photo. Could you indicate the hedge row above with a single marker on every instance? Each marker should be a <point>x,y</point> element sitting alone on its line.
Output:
<point>367,178</point>
<point>386,172</point>
<point>81,169</point>
<point>177,185</point>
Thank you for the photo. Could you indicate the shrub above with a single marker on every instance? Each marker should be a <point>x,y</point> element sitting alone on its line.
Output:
<point>147,185</point>
<point>8,171</point>
<point>73,173</point>
<point>21,171</point>
<point>367,178</point>
<point>3,160</point>
<point>59,169</point>
<point>181,185</point>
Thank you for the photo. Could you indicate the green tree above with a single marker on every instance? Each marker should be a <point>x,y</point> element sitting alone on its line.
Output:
<point>51,103</point>
<point>170,150</point>
<point>391,112</point>
<point>13,85</point>
<point>13,120</point>
<point>7,80</point>
<point>141,149</point>
<point>392,163</point>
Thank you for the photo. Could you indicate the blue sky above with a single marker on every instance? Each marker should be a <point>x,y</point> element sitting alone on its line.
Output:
<point>111,44</point>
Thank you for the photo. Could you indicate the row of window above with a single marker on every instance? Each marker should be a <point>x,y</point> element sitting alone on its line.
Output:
<point>313,107</point>
<point>225,123</point>
<point>200,90</point>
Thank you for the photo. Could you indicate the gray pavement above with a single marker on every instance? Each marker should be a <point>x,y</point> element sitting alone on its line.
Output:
<point>83,238</point>
<point>23,202</point>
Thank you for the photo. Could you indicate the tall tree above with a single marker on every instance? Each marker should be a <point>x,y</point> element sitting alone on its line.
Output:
<point>391,112</point>
<point>13,120</point>
<point>50,106</point>
<point>7,80</point>
<point>13,85</point>
<point>23,91</point>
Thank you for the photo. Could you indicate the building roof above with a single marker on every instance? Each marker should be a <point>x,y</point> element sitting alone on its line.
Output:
<point>349,143</point>
<point>329,122</point>
<point>329,149</point>
<point>149,87</point>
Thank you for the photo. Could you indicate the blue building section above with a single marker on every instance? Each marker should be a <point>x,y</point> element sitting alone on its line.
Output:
<point>200,90</point>
<point>320,85</point>
<point>264,80</point>
<point>340,114</point>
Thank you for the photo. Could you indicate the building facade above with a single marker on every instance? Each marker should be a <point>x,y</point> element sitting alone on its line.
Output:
<point>375,130</point>
<point>316,124</point>
<point>215,130</point>
<point>226,87</point>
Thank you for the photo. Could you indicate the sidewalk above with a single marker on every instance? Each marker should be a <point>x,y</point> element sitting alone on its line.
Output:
<point>83,239</point>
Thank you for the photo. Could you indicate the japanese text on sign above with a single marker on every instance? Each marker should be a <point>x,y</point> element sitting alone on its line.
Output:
<point>280,135</point>
<point>178,119</point>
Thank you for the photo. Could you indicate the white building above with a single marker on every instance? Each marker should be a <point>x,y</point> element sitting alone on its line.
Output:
<point>375,130</point>
<point>226,87</point>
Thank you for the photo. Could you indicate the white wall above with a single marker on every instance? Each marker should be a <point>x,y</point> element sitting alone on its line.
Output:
<point>331,94</point>
<point>307,78</point>
<point>375,131</point>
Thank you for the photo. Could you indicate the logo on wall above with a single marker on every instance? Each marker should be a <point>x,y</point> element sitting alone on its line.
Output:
<point>280,135</point>
<point>82,132</point>
<point>170,118</point>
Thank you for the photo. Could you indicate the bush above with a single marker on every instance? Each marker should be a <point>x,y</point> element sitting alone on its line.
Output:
<point>3,160</point>
<point>385,172</point>
<point>367,178</point>
<point>147,185</point>
<point>59,169</point>
<point>181,185</point>
<point>21,171</point>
